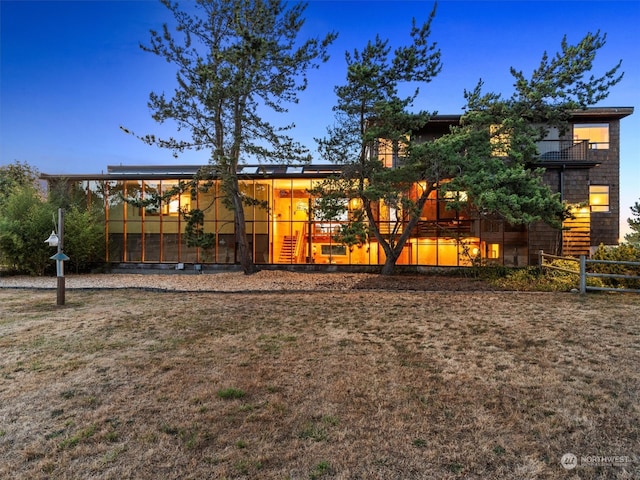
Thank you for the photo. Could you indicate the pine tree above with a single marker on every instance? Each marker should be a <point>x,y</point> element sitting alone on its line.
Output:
<point>489,156</point>
<point>633,238</point>
<point>234,58</point>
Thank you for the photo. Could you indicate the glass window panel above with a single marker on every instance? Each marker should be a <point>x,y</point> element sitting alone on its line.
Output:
<point>170,247</point>
<point>226,248</point>
<point>171,206</point>
<point>599,198</point>
<point>261,244</point>
<point>262,194</point>
<point>116,247</point>
<point>247,189</point>
<point>596,133</point>
<point>151,190</point>
<point>133,191</point>
<point>134,247</point>
<point>188,254</point>
<point>151,246</point>
<point>207,202</point>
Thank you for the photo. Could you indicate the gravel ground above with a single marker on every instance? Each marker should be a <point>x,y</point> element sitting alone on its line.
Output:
<point>268,281</point>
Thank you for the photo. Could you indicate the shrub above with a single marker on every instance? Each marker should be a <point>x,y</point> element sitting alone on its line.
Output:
<point>84,238</point>
<point>542,280</point>
<point>25,222</point>
<point>535,279</point>
<point>621,253</point>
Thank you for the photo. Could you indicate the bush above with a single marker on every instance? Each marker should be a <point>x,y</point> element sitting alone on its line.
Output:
<point>621,253</point>
<point>536,280</point>
<point>84,238</point>
<point>545,280</point>
<point>25,222</point>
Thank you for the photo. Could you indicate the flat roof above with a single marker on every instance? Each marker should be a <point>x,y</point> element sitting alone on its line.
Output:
<point>603,113</point>
<point>179,172</point>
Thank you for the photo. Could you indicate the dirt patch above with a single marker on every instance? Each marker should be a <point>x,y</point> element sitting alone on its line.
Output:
<point>266,281</point>
<point>425,283</point>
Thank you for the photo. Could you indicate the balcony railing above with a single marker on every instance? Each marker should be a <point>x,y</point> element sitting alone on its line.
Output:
<point>563,150</point>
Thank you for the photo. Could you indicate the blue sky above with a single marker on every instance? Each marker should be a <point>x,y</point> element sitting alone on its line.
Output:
<point>72,72</point>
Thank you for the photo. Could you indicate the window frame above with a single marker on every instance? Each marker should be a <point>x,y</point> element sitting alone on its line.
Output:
<point>597,144</point>
<point>605,193</point>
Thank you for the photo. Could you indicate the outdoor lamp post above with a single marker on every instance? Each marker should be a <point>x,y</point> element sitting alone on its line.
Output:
<point>56,240</point>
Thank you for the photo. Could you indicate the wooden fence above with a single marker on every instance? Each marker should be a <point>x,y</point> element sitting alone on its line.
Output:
<point>583,271</point>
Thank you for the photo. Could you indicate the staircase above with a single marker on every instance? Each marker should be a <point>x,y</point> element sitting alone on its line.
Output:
<point>288,250</point>
<point>576,238</point>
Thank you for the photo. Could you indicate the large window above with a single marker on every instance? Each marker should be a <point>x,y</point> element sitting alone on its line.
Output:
<point>500,139</point>
<point>596,133</point>
<point>599,198</point>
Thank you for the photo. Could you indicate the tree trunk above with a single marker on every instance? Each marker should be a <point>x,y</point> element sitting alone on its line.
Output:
<point>246,259</point>
<point>389,265</point>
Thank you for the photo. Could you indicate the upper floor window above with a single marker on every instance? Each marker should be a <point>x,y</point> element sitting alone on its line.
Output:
<point>500,139</point>
<point>596,133</point>
<point>599,198</point>
<point>391,152</point>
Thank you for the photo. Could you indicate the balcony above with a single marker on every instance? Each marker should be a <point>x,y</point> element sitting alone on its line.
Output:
<point>566,154</point>
<point>563,152</point>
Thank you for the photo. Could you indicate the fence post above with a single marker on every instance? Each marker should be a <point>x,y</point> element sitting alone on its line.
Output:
<point>540,258</point>
<point>583,274</point>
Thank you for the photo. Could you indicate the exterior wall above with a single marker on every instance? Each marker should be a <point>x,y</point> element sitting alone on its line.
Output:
<point>601,166</point>
<point>288,232</point>
<point>542,236</point>
<point>605,226</point>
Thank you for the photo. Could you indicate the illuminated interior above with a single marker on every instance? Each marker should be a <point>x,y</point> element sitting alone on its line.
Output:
<point>596,133</point>
<point>500,141</point>
<point>576,235</point>
<point>290,232</point>
<point>389,152</point>
<point>284,227</point>
<point>599,198</point>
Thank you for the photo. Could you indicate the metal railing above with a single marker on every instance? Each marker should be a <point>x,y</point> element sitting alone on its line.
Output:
<point>584,274</point>
<point>570,150</point>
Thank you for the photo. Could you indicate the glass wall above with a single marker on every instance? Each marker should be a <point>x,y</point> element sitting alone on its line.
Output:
<point>283,228</point>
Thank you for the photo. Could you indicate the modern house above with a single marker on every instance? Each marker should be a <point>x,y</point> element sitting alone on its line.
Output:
<point>583,166</point>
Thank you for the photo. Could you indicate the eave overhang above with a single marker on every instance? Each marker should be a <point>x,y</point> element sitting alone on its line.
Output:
<point>188,172</point>
<point>564,165</point>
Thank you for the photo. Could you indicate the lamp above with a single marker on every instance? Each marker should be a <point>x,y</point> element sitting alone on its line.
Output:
<point>52,240</point>
<point>56,240</point>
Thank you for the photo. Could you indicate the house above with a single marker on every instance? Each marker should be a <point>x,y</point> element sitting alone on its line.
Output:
<point>583,166</point>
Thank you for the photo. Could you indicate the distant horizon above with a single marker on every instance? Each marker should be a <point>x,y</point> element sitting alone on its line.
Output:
<point>72,72</point>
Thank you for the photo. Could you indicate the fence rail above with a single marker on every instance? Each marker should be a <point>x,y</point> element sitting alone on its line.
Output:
<point>583,272</point>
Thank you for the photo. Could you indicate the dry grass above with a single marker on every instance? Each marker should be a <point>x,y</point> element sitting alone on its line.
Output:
<point>344,384</point>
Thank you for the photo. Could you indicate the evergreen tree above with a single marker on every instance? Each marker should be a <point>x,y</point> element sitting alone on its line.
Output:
<point>370,113</point>
<point>499,136</point>
<point>633,238</point>
<point>234,58</point>
<point>489,156</point>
